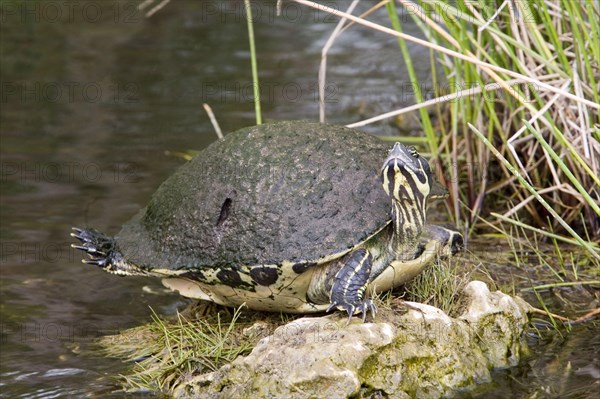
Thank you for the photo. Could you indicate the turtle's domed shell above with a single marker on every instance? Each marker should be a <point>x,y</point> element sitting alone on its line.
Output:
<point>288,191</point>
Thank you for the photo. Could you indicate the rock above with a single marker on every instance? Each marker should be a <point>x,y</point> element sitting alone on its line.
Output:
<point>423,353</point>
<point>496,316</point>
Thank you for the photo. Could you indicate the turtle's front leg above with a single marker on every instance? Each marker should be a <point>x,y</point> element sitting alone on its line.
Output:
<point>436,241</point>
<point>350,284</point>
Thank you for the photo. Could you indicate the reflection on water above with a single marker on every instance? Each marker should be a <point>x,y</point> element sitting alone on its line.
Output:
<point>93,94</point>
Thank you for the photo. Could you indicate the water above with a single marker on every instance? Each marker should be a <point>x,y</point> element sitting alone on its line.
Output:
<point>93,94</point>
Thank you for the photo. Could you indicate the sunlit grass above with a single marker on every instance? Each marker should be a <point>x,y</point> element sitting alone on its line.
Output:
<point>440,285</point>
<point>167,351</point>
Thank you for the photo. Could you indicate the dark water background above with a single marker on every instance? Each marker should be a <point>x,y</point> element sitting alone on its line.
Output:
<point>93,94</point>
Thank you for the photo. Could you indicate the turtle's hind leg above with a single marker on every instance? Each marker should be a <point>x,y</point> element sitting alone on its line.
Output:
<point>104,252</point>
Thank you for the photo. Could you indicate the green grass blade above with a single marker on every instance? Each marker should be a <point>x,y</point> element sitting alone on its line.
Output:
<point>255,82</point>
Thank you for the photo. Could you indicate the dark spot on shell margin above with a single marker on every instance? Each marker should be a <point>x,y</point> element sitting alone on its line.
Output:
<point>264,275</point>
<point>231,278</point>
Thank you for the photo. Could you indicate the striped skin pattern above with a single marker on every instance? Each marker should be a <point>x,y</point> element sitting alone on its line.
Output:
<point>407,179</point>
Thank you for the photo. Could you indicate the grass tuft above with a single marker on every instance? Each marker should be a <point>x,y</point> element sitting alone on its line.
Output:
<point>165,352</point>
<point>439,285</point>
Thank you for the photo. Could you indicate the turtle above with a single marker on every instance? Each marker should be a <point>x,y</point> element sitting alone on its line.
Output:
<point>292,216</point>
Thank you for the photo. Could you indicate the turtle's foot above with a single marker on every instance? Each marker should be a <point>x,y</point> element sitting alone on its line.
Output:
<point>98,246</point>
<point>362,307</point>
<point>104,252</point>
<point>350,284</point>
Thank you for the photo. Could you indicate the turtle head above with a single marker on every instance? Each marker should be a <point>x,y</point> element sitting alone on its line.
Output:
<point>406,175</point>
<point>408,180</point>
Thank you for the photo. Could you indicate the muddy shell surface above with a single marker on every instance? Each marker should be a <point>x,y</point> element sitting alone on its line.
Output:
<point>287,191</point>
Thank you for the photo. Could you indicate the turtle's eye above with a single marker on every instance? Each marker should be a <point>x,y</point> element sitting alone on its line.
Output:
<point>413,151</point>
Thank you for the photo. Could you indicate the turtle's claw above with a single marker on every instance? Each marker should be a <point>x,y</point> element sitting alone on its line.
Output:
<point>95,261</point>
<point>367,306</point>
<point>91,250</point>
<point>80,234</point>
<point>348,307</point>
<point>95,244</point>
<point>104,252</point>
<point>350,310</point>
<point>332,306</point>
<point>363,308</point>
